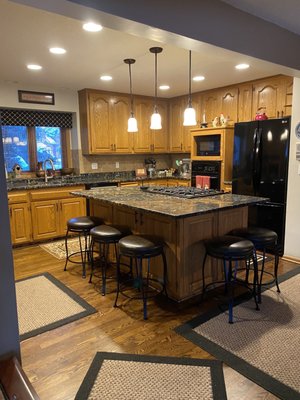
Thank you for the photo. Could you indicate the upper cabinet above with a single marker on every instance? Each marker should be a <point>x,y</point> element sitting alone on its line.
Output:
<point>103,122</point>
<point>180,136</point>
<point>271,96</point>
<point>147,140</point>
<point>104,115</point>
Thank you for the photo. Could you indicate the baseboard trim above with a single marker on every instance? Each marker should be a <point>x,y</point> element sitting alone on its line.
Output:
<point>291,259</point>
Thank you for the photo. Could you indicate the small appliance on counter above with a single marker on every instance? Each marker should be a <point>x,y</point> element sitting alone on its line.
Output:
<point>151,167</point>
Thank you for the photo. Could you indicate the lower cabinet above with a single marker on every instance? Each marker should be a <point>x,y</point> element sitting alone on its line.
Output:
<point>43,213</point>
<point>20,218</point>
<point>49,217</point>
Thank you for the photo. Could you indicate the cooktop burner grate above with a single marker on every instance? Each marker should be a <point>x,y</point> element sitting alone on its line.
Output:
<point>181,191</point>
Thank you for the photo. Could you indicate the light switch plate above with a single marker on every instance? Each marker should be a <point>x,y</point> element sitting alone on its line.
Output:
<point>94,165</point>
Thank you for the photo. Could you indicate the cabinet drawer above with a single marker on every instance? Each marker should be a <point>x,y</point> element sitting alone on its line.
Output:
<point>53,194</point>
<point>18,197</point>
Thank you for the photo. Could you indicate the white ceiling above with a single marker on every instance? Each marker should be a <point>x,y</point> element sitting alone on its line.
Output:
<point>27,34</point>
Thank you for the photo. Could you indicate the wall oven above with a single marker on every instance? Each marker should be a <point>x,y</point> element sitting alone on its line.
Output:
<point>211,169</point>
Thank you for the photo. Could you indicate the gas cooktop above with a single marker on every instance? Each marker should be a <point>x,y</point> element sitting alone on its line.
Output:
<point>181,191</point>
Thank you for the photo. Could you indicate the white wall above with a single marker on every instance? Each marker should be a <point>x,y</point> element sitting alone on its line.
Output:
<point>65,100</point>
<point>292,238</point>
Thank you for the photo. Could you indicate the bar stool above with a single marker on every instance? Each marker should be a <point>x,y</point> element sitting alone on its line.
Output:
<point>263,240</point>
<point>80,226</point>
<point>105,235</point>
<point>139,248</point>
<point>229,249</point>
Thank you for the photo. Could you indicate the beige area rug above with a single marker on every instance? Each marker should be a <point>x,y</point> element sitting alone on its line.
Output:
<point>58,249</point>
<point>45,303</point>
<point>113,376</point>
<point>262,345</point>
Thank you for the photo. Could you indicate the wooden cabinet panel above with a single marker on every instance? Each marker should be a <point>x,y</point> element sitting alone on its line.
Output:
<point>20,223</point>
<point>142,138</point>
<point>180,136</point>
<point>119,114</point>
<point>45,219</point>
<point>229,103</point>
<point>212,105</point>
<point>160,138</point>
<point>70,208</point>
<point>98,120</point>
<point>245,103</point>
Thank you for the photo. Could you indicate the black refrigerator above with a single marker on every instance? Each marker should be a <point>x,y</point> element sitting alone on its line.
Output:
<point>260,168</point>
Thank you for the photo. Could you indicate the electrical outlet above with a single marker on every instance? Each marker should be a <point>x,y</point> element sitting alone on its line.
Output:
<point>117,164</point>
<point>94,165</point>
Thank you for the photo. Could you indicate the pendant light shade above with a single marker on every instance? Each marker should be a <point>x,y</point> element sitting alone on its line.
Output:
<point>155,117</point>
<point>189,117</point>
<point>132,122</point>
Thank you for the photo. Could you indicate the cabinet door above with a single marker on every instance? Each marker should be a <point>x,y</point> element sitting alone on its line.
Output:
<point>45,219</point>
<point>20,223</point>
<point>119,114</point>
<point>70,208</point>
<point>160,138</point>
<point>267,98</point>
<point>245,103</point>
<point>211,103</point>
<point>142,139</point>
<point>99,129</point>
<point>176,125</point>
<point>286,98</point>
<point>229,103</point>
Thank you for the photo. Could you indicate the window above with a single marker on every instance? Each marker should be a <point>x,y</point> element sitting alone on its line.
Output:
<point>31,136</point>
<point>27,145</point>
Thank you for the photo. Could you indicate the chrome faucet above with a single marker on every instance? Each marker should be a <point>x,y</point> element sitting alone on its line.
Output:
<point>45,169</point>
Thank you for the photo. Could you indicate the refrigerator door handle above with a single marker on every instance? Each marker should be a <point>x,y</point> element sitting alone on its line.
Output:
<point>254,158</point>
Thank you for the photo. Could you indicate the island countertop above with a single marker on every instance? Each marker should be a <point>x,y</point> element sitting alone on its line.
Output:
<point>135,198</point>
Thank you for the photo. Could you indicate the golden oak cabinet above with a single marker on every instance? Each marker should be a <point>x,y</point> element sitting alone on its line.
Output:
<point>50,210</point>
<point>147,140</point>
<point>103,122</point>
<point>272,96</point>
<point>20,218</point>
<point>180,136</point>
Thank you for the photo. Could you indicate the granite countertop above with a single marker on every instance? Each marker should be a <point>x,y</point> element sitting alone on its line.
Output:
<point>135,198</point>
<point>82,179</point>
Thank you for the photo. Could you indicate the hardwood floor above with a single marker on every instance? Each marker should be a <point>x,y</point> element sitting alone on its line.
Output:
<point>57,361</point>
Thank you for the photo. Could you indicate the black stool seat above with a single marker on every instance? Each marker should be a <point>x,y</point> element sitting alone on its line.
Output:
<point>230,249</point>
<point>82,226</point>
<point>109,232</point>
<point>263,240</point>
<point>105,235</point>
<point>139,248</point>
<point>260,237</point>
<point>83,223</point>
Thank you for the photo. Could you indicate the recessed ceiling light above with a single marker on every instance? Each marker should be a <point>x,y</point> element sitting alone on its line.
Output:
<point>198,78</point>
<point>106,78</point>
<point>92,27</point>
<point>57,50</point>
<point>242,66</point>
<point>34,66</point>
<point>164,87</point>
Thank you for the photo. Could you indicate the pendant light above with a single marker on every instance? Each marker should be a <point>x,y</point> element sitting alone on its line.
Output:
<point>189,118</point>
<point>132,122</point>
<point>155,117</point>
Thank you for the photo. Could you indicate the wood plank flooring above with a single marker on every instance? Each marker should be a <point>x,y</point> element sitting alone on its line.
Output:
<point>57,361</point>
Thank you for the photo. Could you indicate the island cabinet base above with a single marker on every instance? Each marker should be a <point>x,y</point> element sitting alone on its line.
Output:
<point>183,238</point>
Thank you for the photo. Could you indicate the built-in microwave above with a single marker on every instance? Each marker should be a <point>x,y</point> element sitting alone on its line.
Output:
<point>208,145</point>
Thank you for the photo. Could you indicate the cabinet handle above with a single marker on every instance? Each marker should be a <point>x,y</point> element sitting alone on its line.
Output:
<point>135,217</point>
<point>57,207</point>
<point>111,146</point>
<point>180,146</point>
<point>10,212</point>
<point>115,147</point>
<point>277,114</point>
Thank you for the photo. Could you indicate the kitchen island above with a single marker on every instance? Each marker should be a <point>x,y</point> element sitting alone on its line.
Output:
<point>182,223</point>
